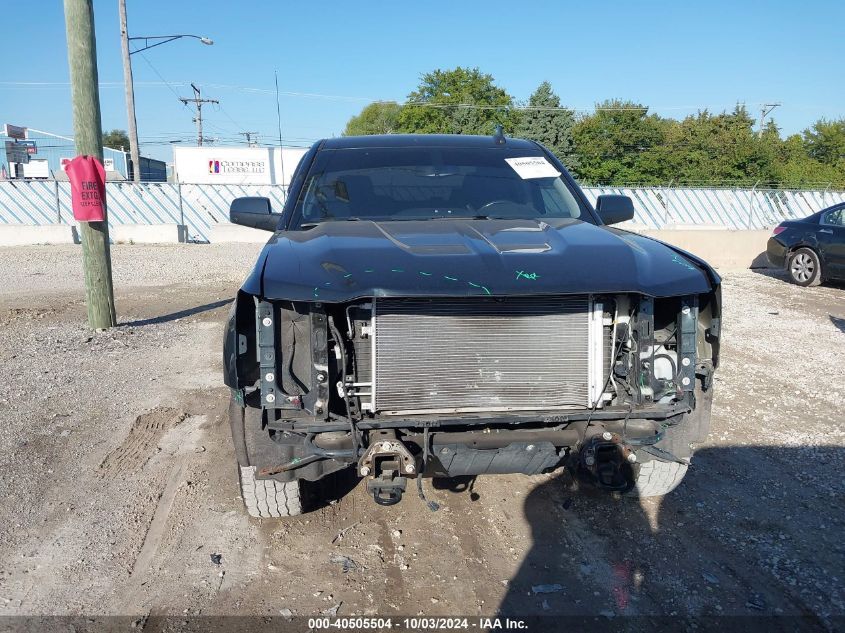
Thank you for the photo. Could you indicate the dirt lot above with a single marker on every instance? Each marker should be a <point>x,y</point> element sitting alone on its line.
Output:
<point>118,479</point>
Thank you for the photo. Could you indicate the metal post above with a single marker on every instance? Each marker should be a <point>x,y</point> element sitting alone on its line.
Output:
<point>132,126</point>
<point>668,203</point>
<point>751,208</point>
<point>765,111</point>
<point>58,202</point>
<point>82,59</point>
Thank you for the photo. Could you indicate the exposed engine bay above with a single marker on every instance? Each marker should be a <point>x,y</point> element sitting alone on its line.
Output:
<point>410,387</point>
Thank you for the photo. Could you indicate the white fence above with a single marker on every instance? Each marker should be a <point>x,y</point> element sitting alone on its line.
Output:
<point>201,206</point>
<point>196,206</point>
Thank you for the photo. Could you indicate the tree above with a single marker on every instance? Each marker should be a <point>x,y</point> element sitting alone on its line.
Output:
<point>705,148</point>
<point>796,169</point>
<point>616,144</point>
<point>546,122</point>
<point>459,101</point>
<point>116,139</point>
<point>825,142</point>
<point>381,117</point>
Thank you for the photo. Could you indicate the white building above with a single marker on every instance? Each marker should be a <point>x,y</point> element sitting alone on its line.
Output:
<point>235,165</point>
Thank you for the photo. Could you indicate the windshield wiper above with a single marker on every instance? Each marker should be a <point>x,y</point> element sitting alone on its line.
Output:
<point>311,225</point>
<point>459,217</point>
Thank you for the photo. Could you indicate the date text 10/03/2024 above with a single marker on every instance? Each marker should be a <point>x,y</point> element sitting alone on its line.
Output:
<point>418,624</point>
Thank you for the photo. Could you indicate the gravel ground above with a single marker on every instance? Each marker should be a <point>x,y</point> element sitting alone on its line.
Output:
<point>119,482</point>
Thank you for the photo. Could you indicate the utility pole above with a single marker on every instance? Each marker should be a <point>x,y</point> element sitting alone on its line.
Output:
<point>134,152</point>
<point>249,135</point>
<point>765,111</point>
<point>82,59</point>
<point>197,101</point>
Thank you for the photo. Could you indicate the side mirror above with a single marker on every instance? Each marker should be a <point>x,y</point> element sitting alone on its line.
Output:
<point>613,208</point>
<point>254,212</point>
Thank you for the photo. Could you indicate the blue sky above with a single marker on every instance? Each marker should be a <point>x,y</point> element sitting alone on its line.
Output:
<point>676,57</point>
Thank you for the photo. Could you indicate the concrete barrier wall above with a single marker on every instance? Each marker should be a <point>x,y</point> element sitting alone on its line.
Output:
<point>147,233</point>
<point>22,234</point>
<point>225,232</point>
<point>724,250</point>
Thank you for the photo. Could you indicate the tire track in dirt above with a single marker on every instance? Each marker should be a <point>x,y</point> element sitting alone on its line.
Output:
<point>178,443</point>
<point>141,442</point>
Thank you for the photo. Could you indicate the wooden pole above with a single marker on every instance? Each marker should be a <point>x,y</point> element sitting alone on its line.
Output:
<point>132,125</point>
<point>82,58</point>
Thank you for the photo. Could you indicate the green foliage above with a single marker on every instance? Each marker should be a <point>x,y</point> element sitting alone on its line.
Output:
<point>825,142</point>
<point>552,127</point>
<point>620,142</point>
<point>381,117</point>
<point>704,148</point>
<point>435,107</point>
<point>116,139</point>
<point>617,143</point>
<point>794,168</point>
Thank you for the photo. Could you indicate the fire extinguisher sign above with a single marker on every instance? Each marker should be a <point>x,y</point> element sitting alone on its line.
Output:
<point>87,188</point>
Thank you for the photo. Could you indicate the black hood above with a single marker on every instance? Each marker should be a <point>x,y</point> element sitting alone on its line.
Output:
<point>340,261</point>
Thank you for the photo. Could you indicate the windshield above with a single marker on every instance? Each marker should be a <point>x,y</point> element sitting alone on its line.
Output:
<point>424,183</point>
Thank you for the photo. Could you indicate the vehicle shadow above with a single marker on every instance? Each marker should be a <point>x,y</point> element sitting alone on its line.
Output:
<point>838,322</point>
<point>751,531</point>
<point>331,488</point>
<point>180,314</point>
<point>781,275</point>
<point>465,484</point>
<point>772,273</point>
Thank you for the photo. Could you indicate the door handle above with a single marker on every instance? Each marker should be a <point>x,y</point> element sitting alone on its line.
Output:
<point>828,231</point>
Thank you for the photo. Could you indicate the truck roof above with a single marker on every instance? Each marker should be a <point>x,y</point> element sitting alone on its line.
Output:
<point>425,140</point>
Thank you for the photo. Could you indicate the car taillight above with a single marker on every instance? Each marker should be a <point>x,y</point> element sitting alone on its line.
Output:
<point>778,230</point>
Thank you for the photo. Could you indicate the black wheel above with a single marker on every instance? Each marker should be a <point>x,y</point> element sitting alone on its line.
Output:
<point>658,478</point>
<point>268,497</point>
<point>804,268</point>
<point>262,497</point>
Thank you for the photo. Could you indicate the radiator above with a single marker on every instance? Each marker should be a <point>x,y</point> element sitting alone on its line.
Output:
<point>485,354</point>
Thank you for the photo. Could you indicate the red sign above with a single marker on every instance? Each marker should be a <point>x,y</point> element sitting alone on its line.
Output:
<point>87,188</point>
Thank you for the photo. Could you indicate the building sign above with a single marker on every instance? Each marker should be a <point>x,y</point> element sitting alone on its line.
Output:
<point>14,131</point>
<point>31,147</point>
<point>237,167</point>
<point>108,164</point>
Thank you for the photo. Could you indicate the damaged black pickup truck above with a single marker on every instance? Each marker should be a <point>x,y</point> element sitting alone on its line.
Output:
<point>444,306</point>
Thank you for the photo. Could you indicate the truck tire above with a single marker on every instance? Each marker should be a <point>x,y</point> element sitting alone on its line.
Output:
<point>658,478</point>
<point>264,498</point>
<point>267,498</point>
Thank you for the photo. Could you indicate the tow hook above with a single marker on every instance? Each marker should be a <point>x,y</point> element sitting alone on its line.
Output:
<point>608,462</point>
<point>387,463</point>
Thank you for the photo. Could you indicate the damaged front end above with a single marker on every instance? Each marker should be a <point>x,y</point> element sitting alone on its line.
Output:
<point>401,388</point>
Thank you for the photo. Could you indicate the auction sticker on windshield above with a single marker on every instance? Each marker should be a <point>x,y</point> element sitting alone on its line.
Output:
<point>533,167</point>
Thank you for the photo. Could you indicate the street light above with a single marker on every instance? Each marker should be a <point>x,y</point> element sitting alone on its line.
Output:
<point>157,40</point>
<point>164,39</point>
